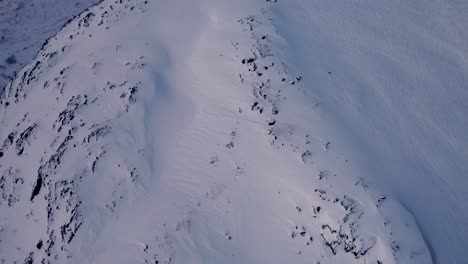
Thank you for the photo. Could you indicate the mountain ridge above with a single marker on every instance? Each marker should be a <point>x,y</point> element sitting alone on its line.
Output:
<point>127,140</point>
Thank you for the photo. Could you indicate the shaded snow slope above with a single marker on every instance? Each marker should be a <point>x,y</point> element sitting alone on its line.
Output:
<point>25,25</point>
<point>220,132</point>
<point>397,97</point>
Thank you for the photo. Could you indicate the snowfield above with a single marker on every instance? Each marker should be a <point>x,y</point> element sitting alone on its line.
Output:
<point>150,131</point>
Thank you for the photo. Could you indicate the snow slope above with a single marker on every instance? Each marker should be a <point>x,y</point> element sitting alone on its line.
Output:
<point>235,132</point>
<point>397,96</point>
<point>25,25</point>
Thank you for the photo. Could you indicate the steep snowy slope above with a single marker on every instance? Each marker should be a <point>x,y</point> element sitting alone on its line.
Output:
<point>212,132</point>
<point>396,96</point>
<point>25,25</point>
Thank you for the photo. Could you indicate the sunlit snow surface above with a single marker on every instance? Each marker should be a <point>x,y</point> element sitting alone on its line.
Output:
<point>240,132</point>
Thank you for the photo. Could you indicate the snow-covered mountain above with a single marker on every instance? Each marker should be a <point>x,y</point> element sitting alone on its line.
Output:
<point>25,25</point>
<point>151,131</point>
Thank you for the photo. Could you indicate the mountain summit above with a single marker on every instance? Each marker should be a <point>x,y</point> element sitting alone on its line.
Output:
<point>150,131</point>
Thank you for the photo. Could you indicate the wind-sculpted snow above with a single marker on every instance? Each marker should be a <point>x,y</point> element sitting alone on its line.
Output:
<point>142,135</point>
